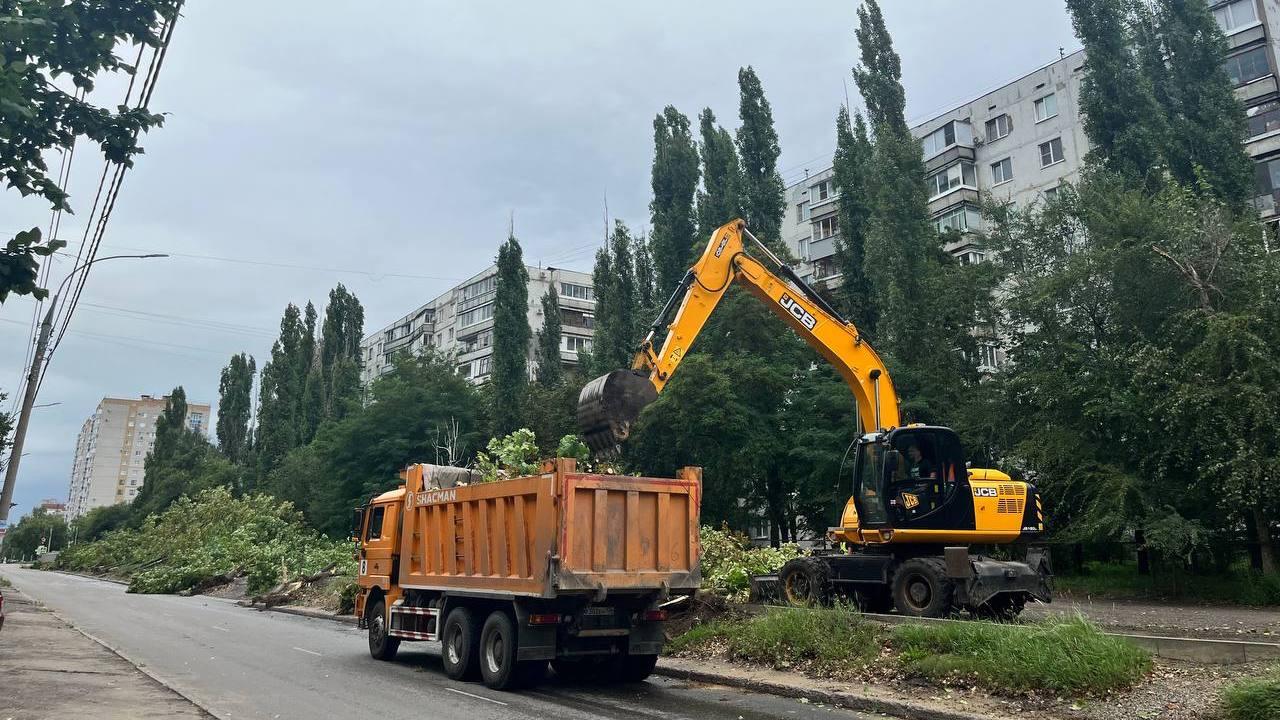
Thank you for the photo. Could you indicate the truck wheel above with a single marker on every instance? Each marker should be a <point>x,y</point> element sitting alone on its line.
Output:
<point>805,582</point>
<point>381,645</point>
<point>921,588</point>
<point>1005,607</point>
<point>498,652</point>
<point>460,645</point>
<point>635,668</point>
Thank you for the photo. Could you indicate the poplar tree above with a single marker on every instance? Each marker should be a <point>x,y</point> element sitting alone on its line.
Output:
<point>550,368</point>
<point>674,181</point>
<point>719,199</point>
<point>1123,121</point>
<point>306,369</point>
<point>852,167</point>
<point>339,360</point>
<point>511,334</point>
<point>602,281</point>
<point>762,189</point>
<point>645,295</point>
<point>280,394</point>
<point>235,408</point>
<point>1184,52</point>
<point>616,309</point>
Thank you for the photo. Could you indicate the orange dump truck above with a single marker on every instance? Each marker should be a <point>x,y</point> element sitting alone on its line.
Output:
<point>568,567</point>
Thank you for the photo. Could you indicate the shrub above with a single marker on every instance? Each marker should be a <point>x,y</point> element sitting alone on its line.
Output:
<point>514,455</point>
<point>1255,698</point>
<point>832,639</point>
<point>198,540</point>
<point>729,560</point>
<point>1070,656</point>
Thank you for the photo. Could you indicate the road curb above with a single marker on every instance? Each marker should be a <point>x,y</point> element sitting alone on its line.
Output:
<point>302,612</point>
<point>140,667</point>
<point>852,701</point>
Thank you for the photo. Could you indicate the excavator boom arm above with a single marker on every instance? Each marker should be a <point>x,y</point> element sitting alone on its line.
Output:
<point>608,404</point>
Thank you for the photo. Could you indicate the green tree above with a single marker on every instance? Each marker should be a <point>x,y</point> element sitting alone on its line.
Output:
<point>879,76</point>
<point>181,462</point>
<point>1123,121</point>
<point>645,294</point>
<point>550,367</point>
<point>98,522</point>
<point>852,167</point>
<point>719,200</point>
<point>280,394</point>
<point>340,351</point>
<point>73,40</point>
<point>617,322</point>
<point>674,181</point>
<point>511,333</point>
<point>307,376</point>
<point>602,343</point>
<point>1184,53</point>
<point>762,189</point>
<point>235,408</point>
<point>39,529</point>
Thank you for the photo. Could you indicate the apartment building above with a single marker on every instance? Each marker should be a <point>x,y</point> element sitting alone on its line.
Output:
<point>112,447</point>
<point>1022,141</point>
<point>459,323</point>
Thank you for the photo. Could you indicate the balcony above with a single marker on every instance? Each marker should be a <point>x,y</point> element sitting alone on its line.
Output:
<point>1251,91</point>
<point>1266,204</point>
<point>949,157</point>
<point>819,249</point>
<point>1246,36</point>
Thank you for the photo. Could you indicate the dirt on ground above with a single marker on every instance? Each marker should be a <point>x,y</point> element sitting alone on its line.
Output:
<point>1225,622</point>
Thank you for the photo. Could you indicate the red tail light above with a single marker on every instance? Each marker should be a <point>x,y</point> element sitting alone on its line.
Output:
<point>655,615</point>
<point>544,619</point>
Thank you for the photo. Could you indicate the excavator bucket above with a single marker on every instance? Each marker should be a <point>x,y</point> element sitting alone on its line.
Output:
<point>608,405</point>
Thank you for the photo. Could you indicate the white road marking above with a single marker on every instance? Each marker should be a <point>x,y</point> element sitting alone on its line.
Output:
<point>478,697</point>
<point>216,627</point>
<point>309,652</point>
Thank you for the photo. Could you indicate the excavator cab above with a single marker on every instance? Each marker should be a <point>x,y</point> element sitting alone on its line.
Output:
<point>911,477</point>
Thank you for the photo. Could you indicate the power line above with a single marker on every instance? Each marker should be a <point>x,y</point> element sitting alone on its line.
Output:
<point>139,343</point>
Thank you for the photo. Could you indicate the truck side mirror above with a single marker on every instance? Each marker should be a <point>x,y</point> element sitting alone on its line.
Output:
<point>357,522</point>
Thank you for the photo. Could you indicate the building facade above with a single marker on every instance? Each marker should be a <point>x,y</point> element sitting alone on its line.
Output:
<point>459,323</point>
<point>1020,142</point>
<point>112,448</point>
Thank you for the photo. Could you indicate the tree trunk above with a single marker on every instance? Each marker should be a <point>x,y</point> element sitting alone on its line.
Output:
<point>1266,553</point>
<point>1144,555</point>
<point>1077,557</point>
<point>1251,542</point>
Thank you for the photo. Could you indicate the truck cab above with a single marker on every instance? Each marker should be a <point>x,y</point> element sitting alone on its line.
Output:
<point>376,532</point>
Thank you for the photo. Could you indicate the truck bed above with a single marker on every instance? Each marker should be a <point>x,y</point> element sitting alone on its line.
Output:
<point>560,532</point>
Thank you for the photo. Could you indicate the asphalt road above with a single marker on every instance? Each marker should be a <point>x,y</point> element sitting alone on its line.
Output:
<point>239,663</point>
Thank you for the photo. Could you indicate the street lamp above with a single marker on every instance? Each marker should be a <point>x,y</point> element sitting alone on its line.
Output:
<point>33,380</point>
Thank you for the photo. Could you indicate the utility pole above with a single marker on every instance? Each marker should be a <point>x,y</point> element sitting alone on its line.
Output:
<point>33,385</point>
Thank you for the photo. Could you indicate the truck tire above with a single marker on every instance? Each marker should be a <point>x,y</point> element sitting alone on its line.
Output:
<point>460,645</point>
<point>499,646</point>
<point>635,668</point>
<point>804,582</point>
<point>921,588</point>
<point>381,645</point>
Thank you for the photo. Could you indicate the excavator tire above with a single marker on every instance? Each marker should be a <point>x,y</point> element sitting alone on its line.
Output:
<point>805,582</point>
<point>921,588</point>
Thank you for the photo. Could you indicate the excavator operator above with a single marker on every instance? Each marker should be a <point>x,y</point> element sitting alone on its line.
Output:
<point>915,490</point>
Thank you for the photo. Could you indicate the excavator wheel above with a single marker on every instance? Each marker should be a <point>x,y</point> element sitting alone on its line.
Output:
<point>921,588</point>
<point>805,582</point>
<point>608,405</point>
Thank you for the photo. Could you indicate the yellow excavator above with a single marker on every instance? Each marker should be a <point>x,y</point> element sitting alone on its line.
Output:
<point>916,508</point>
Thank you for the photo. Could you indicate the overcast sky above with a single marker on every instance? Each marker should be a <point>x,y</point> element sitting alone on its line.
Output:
<point>386,145</point>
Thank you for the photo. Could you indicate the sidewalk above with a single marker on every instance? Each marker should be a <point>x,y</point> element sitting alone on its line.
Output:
<point>51,670</point>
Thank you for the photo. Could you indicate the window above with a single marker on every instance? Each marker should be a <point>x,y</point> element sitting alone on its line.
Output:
<point>965,217</point>
<point>987,356</point>
<point>573,343</point>
<point>802,211</point>
<point>998,127</point>
<point>476,289</point>
<point>1051,152</point>
<point>1051,194</point>
<point>577,318</point>
<point>951,178</point>
<point>374,531</point>
<point>824,268</point>
<point>478,315</point>
<point>939,140</point>
<point>574,290</point>
<point>825,228</point>
<point>1236,15</point>
<point>972,257</point>
<point>821,192</point>
<point>1263,119</point>
<point>1248,66</point>
<point>1002,171</point>
<point>1267,181</point>
<point>1046,107</point>
<point>484,366</point>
